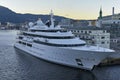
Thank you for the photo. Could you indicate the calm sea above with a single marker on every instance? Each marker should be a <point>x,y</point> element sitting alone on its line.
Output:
<point>21,66</point>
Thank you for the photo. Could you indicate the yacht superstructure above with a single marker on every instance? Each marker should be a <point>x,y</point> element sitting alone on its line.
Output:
<point>55,44</point>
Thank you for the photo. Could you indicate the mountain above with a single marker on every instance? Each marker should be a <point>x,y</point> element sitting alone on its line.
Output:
<point>7,15</point>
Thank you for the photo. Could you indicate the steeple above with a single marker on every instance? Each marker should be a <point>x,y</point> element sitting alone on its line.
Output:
<point>100,14</point>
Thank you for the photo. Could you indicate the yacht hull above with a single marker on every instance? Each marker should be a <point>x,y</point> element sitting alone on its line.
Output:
<point>69,57</point>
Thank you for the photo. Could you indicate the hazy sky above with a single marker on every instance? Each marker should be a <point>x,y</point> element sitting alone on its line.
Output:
<point>77,9</point>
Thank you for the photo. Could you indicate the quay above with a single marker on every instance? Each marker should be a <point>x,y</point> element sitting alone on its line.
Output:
<point>111,60</point>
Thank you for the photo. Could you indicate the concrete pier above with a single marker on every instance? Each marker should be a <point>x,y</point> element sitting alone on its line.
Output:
<point>111,60</point>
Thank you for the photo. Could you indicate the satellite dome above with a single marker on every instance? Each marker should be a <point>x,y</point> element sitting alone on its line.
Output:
<point>31,24</point>
<point>39,22</point>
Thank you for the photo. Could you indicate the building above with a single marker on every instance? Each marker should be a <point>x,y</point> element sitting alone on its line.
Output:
<point>80,23</point>
<point>111,23</point>
<point>92,23</point>
<point>109,20</point>
<point>66,22</point>
<point>92,35</point>
<point>115,43</point>
<point>2,25</point>
<point>69,22</point>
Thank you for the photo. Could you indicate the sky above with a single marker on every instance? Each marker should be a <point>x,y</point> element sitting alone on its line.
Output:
<point>76,9</point>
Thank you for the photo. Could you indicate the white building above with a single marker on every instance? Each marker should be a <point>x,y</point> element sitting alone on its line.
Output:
<point>10,24</point>
<point>92,35</point>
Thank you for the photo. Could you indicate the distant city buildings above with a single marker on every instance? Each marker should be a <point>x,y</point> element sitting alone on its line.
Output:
<point>66,22</point>
<point>108,21</point>
<point>80,23</point>
<point>76,23</point>
<point>8,25</point>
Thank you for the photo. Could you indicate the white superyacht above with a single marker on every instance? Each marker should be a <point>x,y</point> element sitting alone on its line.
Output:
<point>55,44</point>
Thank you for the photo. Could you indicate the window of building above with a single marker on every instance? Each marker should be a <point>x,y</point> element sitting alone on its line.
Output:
<point>102,42</point>
<point>86,37</point>
<point>81,31</point>
<point>103,31</point>
<point>83,37</point>
<point>90,32</point>
<point>85,32</point>
<point>102,37</point>
<point>93,42</point>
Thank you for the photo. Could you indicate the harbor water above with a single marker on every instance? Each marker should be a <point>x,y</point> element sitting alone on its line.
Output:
<point>22,66</point>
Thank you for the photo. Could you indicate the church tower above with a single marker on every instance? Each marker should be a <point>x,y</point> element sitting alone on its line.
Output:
<point>99,21</point>
<point>100,14</point>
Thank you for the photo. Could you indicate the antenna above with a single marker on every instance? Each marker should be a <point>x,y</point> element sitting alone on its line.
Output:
<point>52,20</point>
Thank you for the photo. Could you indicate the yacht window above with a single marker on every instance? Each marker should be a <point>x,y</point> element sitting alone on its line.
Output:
<point>30,45</point>
<point>59,45</point>
<point>19,42</point>
<point>20,37</point>
<point>50,37</point>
